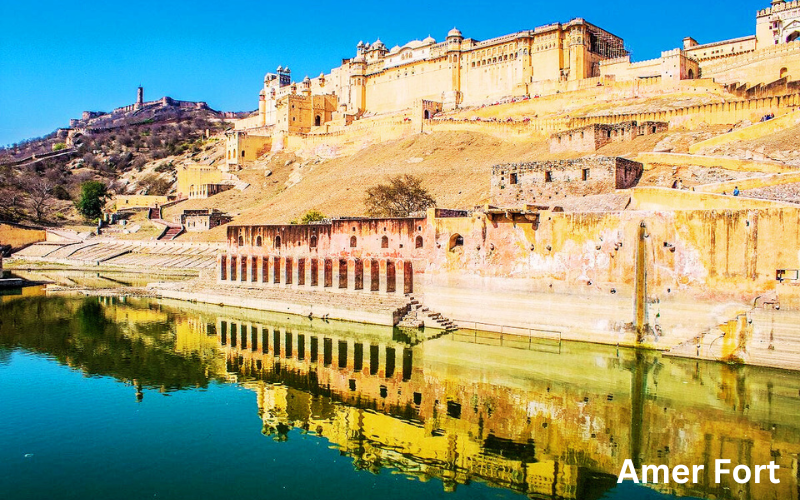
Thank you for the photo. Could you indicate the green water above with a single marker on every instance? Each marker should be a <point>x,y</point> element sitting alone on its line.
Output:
<point>113,398</point>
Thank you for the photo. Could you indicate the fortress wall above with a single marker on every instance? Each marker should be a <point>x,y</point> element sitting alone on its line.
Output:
<point>657,198</point>
<point>398,88</point>
<point>750,183</point>
<point>19,237</point>
<point>196,175</point>
<point>650,160</point>
<point>754,131</point>
<point>138,201</point>
<point>761,66</point>
<point>528,273</point>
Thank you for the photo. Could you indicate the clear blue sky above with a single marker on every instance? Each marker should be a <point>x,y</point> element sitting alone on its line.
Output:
<point>60,58</point>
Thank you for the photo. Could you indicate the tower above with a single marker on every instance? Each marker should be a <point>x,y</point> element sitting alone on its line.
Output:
<point>139,97</point>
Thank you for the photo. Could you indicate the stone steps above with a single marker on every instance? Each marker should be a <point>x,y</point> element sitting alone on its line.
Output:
<point>418,316</point>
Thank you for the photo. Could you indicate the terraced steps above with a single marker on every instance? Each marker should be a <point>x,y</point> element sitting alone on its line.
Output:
<point>418,316</point>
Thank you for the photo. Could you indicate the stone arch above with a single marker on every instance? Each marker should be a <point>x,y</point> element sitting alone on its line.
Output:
<point>313,242</point>
<point>317,121</point>
<point>277,242</point>
<point>791,37</point>
<point>426,114</point>
<point>408,277</point>
<point>342,273</point>
<point>353,242</point>
<point>241,240</point>
<point>358,274</point>
<point>258,241</point>
<point>418,242</point>
<point>328,273</point>
<point>391,277</point>
<point>690,74</point>
<point>456,240</point>
<point>384,242</point>
<point>375,275</point>
<point>784,73</point>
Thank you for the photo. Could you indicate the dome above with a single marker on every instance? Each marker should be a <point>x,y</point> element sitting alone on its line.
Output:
<point>280,68</point>
<point>287,70</point>
<point>395,49</point>
<point>454,32</point>
<point>378,45</point>
<point>413,44</point>
<point>306,79</point>
<point>429,40</point>
<point>359,59</point>
<point>360,45</point>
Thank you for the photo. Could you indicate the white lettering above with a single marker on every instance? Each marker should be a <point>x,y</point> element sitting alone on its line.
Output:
<point>628,472</point>
<point>759,468</point>
<point>655,469</point>
<point>772,468</point>
<point>695,470</point>
<point>679,474</point>
<point>720,471</point>
<point>746,470</point>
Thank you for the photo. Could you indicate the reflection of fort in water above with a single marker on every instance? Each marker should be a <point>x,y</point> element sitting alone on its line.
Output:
<point>543,423</point>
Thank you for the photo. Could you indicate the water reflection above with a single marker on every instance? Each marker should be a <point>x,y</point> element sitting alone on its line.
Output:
<point>134,341</point>
<point>553,423</point>
<point>549,424</point>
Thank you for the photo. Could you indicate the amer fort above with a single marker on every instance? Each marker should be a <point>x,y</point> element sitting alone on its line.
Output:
<point>610,271</point>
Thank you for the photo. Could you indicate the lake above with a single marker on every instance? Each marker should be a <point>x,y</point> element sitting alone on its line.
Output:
<point>142,398</point>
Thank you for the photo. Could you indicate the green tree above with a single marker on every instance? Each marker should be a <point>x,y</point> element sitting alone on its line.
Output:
<point>92,198</point>
<point>312,216</point>
<point>400,197</point>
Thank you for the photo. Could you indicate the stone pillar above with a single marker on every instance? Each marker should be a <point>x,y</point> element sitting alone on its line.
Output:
<point>382,276</point>
<point>368,276</point>
<point>351,273</point>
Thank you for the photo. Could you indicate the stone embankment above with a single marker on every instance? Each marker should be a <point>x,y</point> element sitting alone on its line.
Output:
<point>136,256</point>
<point>358,307</point>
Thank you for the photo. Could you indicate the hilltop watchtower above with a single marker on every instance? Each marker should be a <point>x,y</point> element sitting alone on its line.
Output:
<point>139,97</point>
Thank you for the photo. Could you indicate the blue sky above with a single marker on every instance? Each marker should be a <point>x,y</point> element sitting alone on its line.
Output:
<point>58,59</point>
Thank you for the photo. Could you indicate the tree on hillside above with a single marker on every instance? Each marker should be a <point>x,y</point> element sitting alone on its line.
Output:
<point>312,216</point>
<point>40,195</point>
<point>401,196</point>
<point>92,198</point>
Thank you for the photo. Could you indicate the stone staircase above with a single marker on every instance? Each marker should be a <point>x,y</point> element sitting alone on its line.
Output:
<point>171,229</point>
<point>419,316</point>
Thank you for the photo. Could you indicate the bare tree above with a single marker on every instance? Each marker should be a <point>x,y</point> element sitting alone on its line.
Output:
<point>400,197</point>
<point>40,196</point>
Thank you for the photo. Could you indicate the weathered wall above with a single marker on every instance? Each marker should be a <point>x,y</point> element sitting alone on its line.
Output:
<point>658,198</point>
<point>138,201</point>
<point>191,177</point>
<point>541,182</point>
<point>651,160</point>
<point>19,237</point>
<point>532,272</point>
<point>754,131</point>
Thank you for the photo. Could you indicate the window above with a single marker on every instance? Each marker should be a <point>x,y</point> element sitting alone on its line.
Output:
<point>456,241</point>
<point>241,241</point>
<point>384,242</point>
<point>277,242</point>
<point>243,153</point>
<point>353,242</point>
<point>512,178</point>
<point>585,174</point>
<point>313,242</point>
<point>418,242</point>
<point>258,241</point>
<point>548,176</point>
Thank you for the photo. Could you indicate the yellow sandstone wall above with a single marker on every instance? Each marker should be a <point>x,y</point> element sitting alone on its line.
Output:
<point>196,175</point>
<point>754,131</point>
<point>138,201</point>
<point>19,237</point>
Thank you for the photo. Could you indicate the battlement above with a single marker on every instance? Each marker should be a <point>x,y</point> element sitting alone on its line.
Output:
<point>778,7</point>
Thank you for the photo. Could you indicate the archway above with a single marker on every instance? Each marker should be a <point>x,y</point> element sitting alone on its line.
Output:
<point>455,241</point>
<point>391,277</point>
<point>427,114</point>
<point>277,242</point>
<point>690,75</point>
<point>317,121</point>
<point>793,36</point>
<point>342,273</point>
<point>784,73</point>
